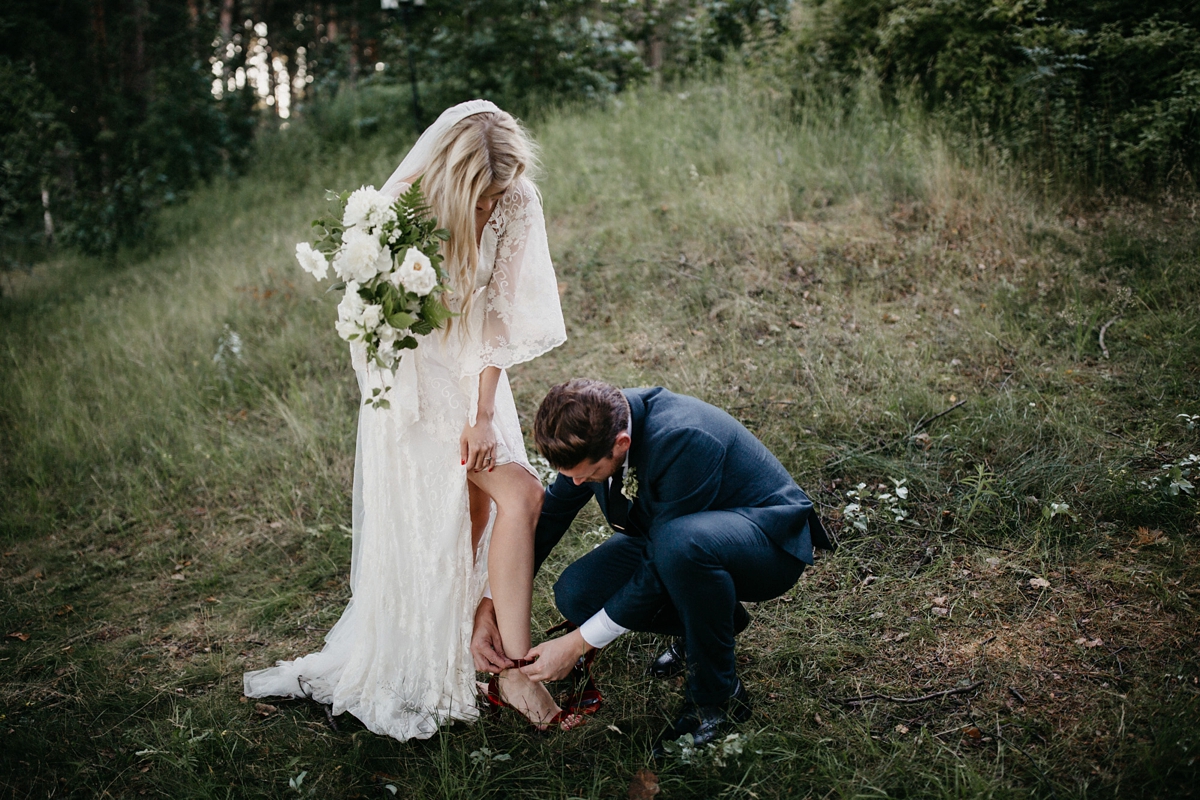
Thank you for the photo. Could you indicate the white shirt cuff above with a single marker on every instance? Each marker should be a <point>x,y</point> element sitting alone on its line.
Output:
<point>600,630</point>
<point>487,590</point>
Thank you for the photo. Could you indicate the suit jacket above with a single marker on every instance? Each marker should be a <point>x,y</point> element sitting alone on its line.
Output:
<point>687,457</point>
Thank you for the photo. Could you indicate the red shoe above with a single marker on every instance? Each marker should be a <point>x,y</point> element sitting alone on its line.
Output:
<point>586,699</point>
<point>493,702</point>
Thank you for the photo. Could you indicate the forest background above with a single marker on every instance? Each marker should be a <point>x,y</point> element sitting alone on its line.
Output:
<point>939,255</point>
<point>114,108</point>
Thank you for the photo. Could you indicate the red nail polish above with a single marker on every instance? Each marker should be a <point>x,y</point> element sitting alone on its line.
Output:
<point>464,462</point>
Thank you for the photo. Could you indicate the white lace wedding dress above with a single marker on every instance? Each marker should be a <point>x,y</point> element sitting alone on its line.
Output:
<point>398,658</point>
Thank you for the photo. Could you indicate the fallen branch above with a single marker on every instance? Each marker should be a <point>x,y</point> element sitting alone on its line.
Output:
<point>921,423</point>
<point>1104,330</point>
<point>925,423</point>
<point>850,701</point>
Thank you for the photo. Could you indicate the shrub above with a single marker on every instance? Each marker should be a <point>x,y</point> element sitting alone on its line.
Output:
<point>1089,93</point>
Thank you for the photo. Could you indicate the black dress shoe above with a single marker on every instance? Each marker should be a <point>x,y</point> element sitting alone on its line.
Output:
<point>670,662</point>
<point>706,723</point>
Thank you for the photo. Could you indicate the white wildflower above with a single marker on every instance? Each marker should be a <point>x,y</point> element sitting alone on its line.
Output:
<point>359,257</point>
<point>230,344</point>
<point>415,273</point>
<point>312,261</point>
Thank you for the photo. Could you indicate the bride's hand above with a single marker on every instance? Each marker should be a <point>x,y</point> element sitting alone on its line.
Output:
<point>477,445</point>
<point>486,648</point>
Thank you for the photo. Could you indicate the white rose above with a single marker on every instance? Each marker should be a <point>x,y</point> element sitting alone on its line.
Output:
<point>415,273</point>
<point>351,307</point>
<point>387,336</point>
<point>359,257</point>
<point>387,343</point>
<point>311,261</point>
<point>372,315</point>
<point>368,207</point>
<point>347,328</point>
<point>384,262</point>
<point>350,312</point>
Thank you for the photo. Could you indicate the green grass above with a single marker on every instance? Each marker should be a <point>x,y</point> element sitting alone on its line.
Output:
<point>836,280</point>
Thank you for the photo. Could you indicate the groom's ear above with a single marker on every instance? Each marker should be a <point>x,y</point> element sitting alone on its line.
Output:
<point>622,443</point>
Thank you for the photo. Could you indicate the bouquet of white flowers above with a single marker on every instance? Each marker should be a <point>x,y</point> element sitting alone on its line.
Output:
<point>386,254</point>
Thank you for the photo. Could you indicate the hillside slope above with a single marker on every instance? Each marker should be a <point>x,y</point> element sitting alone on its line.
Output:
<point>177,444</point>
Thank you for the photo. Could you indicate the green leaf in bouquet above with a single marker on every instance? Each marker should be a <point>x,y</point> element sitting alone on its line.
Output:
<point>422,327</point>
<point>402,320</point>
<point>407,343</point>
<point>337,287</point>
<point>414,200</point>
<point>435,311</point>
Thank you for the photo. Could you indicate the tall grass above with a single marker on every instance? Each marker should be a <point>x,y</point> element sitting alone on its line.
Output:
<point>176,498</point>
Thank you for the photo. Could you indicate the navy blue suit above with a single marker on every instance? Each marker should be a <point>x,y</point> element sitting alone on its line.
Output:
<point>716,519</point>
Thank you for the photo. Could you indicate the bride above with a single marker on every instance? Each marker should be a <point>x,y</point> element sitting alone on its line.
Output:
<point>445,500</point>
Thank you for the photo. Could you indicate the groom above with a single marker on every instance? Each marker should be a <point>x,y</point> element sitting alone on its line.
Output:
<point>705,517</point>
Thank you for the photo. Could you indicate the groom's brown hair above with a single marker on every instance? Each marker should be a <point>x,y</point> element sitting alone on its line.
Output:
<point>579,421</point>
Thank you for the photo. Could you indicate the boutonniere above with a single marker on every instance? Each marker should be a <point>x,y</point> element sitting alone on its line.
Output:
<point>629,484</point>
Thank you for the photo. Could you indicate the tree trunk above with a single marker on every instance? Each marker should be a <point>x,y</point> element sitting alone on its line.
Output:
<point>226,20</point>
<point>135,77</point>
<point>47,220</point>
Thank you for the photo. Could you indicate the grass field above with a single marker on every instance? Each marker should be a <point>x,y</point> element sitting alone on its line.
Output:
<point>176,447</point>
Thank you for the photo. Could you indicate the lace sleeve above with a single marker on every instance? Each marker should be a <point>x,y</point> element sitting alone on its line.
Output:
<point>521,316</point>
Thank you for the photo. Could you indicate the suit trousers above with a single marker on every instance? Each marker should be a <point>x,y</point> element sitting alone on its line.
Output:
<point>683,580</point>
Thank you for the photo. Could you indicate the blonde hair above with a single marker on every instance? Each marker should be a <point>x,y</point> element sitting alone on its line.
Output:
<point>481,150</point>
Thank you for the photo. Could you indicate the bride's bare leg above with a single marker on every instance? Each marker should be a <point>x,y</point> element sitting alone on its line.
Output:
<point>481,512</point>
<point>518,498</point>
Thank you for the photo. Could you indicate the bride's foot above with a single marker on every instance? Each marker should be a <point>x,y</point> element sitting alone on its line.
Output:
<point>533,701</point>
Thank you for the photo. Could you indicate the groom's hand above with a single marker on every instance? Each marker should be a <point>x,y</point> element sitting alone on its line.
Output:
<point>556,657</point>
<point>486,648</point>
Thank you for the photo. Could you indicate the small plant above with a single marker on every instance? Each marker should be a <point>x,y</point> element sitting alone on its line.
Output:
<point>180,751</point>
<point>1174,478</point>
<point>297,781</point>
<point>1052,510</point>
<point>981,484</point>
<point>716,753</point>
<point>483,758</point>
<point>865,506</point>
<point>546,473</point>
<point>229,347</point>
